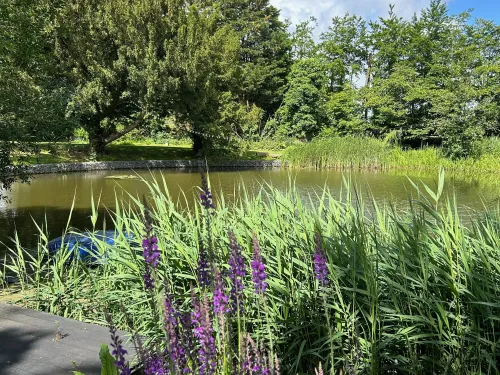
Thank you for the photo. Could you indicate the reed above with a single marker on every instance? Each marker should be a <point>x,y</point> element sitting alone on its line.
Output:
<point>348,153</point>
<point>411,290</point>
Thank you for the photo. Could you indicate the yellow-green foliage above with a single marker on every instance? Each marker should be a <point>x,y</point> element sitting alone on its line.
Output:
<point>370,153</point>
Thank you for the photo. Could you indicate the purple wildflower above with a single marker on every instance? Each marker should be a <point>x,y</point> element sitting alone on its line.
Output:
<point>205,195</point>
<point>320,267</point>
<point>148,279</point>
<point>150,250</point>
<point>169,312</point>
<point>203,332</point>
<point>175,350</point>
<point>237,270</point>
<point>203,270</point>
<point>149,243</point>
<point>254,360</point>
<point>220,297</point>
<point>155,365</point>
<point>187,332</point>
<point>118,350</point>
<point>258,269</point>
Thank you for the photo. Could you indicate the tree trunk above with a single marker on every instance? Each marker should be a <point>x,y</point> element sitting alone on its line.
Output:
<point>98,139</point>
<point>97,144</point>
<point>197,143</point>
<point>113,137</point>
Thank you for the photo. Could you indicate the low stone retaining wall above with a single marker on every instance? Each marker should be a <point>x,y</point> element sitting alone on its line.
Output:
<point>150,164</point>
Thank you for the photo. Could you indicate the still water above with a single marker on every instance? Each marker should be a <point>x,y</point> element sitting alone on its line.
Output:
<point>49,197</point>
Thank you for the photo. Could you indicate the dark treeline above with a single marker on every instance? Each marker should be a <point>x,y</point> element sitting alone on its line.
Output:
<point>229,70</point>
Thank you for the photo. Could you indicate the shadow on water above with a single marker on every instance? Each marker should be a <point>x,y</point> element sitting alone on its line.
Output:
<point>23,221</point>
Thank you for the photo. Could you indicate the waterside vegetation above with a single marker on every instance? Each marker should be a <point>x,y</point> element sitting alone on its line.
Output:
<point>346,153</point>
<point>226,72</point>
<point>379,290</point>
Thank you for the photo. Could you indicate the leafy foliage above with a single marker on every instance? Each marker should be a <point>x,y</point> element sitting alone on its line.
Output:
<point>433,79</point>
<point>32,93</point>
<point>302,114</point>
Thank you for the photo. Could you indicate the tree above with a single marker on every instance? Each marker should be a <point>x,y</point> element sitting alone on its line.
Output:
<point>303,44</point>
<point>345,47</point>
<point>265,46</point>
<point>302,114</point>
<point>135,61</point>
<point>33,93</point>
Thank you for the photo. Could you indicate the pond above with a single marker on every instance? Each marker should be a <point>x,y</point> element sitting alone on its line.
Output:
<point>49,197</point>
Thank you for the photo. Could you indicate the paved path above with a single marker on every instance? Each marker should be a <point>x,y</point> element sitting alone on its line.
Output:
<point>29,346</point>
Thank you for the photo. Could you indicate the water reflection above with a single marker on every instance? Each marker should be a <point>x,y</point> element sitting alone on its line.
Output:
<point>49,198</point>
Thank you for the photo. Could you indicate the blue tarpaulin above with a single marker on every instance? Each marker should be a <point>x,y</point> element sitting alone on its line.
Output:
<point>83,245</point>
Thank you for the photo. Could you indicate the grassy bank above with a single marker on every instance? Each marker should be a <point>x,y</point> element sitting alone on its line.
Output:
<point>369,153</point>
<point>412,291</point>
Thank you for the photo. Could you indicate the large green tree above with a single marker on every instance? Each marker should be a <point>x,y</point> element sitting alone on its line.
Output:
<point>135,61</point>
<point>265,57</point>
<point>302,114</point>
<point>33,93</point>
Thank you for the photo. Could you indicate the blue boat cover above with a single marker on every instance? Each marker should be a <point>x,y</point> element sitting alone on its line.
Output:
<point>83,246</point>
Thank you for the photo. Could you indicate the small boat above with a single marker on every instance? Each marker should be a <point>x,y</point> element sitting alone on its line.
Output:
<point>85,245</point>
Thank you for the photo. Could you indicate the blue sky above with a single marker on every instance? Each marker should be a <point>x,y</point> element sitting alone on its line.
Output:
<point>325,10</point>
<point>488,9</point>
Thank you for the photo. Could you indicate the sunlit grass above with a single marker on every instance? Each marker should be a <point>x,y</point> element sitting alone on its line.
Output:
<point>414,289</point>
<point>79,152</point>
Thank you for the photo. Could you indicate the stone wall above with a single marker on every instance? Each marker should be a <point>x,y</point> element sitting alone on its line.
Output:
<point>150,164</point>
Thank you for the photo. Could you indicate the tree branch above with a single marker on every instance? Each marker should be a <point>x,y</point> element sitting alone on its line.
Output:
<point>128,129</point>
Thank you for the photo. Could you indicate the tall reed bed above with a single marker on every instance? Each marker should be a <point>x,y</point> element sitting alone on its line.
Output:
<point>347,153</point>
<point>413,291</point>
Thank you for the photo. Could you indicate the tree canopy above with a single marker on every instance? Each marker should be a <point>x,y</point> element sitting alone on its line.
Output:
<point>226,70</point>
<point>433,79</point>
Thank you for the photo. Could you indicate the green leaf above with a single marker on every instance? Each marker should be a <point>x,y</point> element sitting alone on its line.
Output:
<point>107,361</point>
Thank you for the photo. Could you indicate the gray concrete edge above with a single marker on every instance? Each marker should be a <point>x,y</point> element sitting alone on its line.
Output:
<point>150,164</point>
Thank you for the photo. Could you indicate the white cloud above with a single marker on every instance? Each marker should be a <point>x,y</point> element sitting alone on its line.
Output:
<point>300,10</point>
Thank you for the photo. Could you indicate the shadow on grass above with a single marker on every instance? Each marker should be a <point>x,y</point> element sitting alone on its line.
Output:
<point>70,153</point>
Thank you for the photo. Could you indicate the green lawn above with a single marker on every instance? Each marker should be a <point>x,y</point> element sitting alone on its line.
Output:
<point>78,152</point>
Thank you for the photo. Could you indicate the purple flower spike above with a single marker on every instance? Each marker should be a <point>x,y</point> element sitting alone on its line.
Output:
<point>118,350</point>
<point>237,269</point>
<point>203,270</point>
<point>220,297</point>
<point>253,359</point>
<point>150,251</point>
<point>320,267</point>
<point>258,269</point>
<point>150,243</point>
<point>187,334</point>
<point>155,365</point>
<point>203,332</point>
<point>175,350</point>
<point>205,195</point>
<point>148,279</point>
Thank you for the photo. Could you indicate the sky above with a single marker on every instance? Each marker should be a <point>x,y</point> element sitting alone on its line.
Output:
<point>324,10</point>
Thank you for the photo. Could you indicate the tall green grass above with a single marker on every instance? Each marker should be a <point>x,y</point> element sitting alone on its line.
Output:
<point>369,153</point>
<point>412,291</point>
